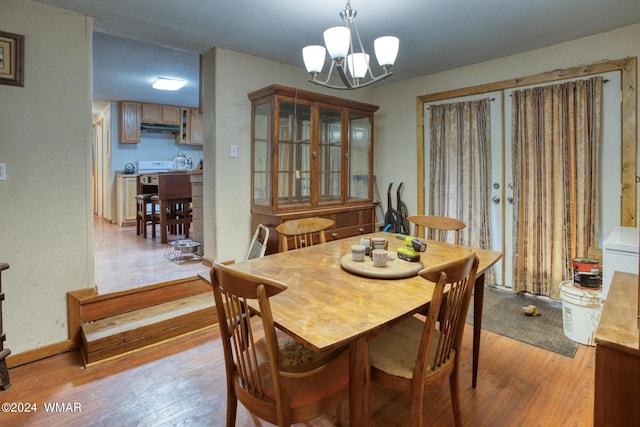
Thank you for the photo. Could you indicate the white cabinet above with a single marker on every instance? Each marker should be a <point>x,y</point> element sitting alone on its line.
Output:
<point>126,191</point>
<point>619,253</point>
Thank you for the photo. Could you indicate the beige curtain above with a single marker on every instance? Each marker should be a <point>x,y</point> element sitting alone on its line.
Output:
<point>556,143</point>
<point>460,166</point>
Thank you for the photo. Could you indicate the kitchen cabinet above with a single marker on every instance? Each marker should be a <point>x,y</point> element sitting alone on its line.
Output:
<point>126,191</point>
<point>130,120</point>
<point>133,114</point>
<point>161,114</point>
<point>191,132</point>
<point>197,123</point>
<point>311,155</point>
<point>617,370</point>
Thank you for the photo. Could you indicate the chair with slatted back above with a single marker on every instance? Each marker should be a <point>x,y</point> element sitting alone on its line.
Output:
<point>303,232</point>
<point>277,378</point>
<point>436,227</point>
<point>422,353</point>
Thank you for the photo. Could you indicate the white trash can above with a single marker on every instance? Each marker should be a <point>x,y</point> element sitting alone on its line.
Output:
<point>581,310</point>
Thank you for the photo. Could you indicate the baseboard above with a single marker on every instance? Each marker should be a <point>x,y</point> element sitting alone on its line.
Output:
<point>29,356</point>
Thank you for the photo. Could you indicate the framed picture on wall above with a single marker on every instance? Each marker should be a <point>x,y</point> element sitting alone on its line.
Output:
<point>11,59</point>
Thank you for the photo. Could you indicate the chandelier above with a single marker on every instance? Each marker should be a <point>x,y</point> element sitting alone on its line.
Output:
<point>351,64</point>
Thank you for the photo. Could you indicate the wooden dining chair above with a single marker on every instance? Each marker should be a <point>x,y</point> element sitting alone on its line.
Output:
<point>421,353</point>
<point>277,378</point>
<point>435,227</point>
<point>299,233</point>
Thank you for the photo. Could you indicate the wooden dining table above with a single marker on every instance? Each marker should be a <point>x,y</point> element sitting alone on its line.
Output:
<point>327,307</point>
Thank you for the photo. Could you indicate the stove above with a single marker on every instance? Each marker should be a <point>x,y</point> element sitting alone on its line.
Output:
<point>152,166</point>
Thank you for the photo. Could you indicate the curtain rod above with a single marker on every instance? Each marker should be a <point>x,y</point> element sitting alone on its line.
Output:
<point>604,81</point>
<point>490,100</point>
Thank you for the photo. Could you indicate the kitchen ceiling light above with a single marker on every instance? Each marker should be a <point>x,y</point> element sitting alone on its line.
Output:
<point>168,84</point>
<point>352,66</point>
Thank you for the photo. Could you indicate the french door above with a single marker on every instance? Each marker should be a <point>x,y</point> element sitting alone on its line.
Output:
<point>501,191</point>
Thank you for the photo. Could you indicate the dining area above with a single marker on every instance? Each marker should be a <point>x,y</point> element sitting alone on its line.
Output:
<point>334,328</point>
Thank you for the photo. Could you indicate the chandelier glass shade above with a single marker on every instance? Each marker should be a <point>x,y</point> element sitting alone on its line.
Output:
<point>348,57</point>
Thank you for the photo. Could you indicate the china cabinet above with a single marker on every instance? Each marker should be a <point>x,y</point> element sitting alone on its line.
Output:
<point>311,155</point>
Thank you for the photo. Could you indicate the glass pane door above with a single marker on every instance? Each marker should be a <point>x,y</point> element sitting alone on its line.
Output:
<point>262,154</point>
<point>330,156</point>
<point>294,157</point>
<point>359,156</point>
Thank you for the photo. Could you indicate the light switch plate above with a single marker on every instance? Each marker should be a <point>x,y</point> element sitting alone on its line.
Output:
<point>233,151</point>
<point>3,171</point>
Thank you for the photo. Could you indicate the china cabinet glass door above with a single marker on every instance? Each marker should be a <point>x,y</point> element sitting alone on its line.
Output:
<point>359,156</point>
<point>262,136</point>
<point>294,155</point>
<point>330,156</point>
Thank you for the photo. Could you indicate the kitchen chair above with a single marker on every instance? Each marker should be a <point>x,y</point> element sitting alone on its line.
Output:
<point>276,378</point>
<point>178,215</point>
<point>415,354</point>
<point>437,227</point>
<point>144,214</point>
<point>298,233</point>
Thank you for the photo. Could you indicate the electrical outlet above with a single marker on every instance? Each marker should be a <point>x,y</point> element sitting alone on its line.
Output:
<point>3,171</point>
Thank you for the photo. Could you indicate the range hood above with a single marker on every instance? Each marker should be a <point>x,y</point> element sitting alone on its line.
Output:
<point>159,128</point>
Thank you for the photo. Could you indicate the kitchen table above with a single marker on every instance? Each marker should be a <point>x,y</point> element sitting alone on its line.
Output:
<point>173,188</point>
<point>327,307</point>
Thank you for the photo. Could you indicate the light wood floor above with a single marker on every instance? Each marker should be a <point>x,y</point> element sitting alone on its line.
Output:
<point>182,383</point>
<point>124,260</point>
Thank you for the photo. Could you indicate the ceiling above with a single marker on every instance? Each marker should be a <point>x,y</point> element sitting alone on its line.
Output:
<point>138,41</point>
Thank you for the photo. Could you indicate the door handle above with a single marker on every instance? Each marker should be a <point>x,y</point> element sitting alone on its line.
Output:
<point>495,199</point>
<point>510,199</point>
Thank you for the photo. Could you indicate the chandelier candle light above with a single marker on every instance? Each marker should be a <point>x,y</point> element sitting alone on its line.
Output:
<point>352,66</point>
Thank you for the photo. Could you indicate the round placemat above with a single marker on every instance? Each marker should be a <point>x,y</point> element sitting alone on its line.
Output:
<point>393,269</point>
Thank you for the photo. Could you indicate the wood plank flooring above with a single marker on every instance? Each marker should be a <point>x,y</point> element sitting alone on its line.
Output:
<point>182,383</point>
<point>124,260</point>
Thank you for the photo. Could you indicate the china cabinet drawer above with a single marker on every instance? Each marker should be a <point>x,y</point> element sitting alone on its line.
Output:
<point>349,221</point>
<point>342,233</point>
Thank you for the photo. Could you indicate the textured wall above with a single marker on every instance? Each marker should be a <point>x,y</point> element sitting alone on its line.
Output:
<point>45,136</point>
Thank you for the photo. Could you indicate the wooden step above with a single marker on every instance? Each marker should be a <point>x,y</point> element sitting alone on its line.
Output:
<point>111,325</point>
<point>86,305</point>
<point>122,333</point>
